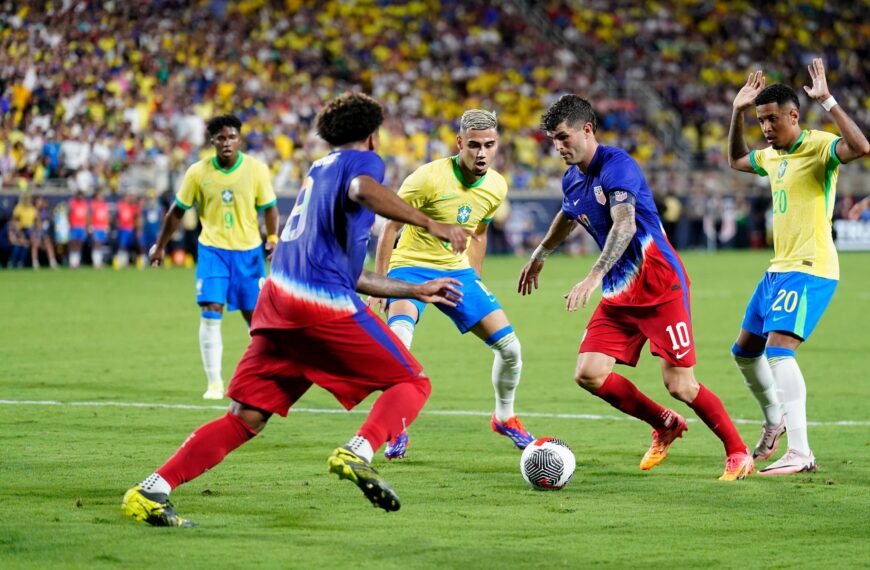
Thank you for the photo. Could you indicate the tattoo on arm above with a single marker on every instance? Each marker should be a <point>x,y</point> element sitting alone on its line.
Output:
<point>618,239</point>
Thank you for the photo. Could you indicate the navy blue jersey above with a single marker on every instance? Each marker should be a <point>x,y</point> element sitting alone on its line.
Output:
<point>649,272</point>
<point>322,248</point>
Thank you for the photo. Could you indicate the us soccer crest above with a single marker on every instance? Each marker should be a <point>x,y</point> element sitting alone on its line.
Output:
<point>463,214</point>
<point>599,195</point>
<point>782,166</point>
<point>227,196</point>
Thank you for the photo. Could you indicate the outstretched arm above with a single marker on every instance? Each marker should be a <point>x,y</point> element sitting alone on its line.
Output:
<point>560,229</point>
<point>443,290</point>
<point>624,228</point>
<point>738,151</point>
<point>384,252</point>
<point>853,144</point>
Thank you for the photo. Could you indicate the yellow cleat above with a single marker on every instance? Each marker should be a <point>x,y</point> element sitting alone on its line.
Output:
<point>662,440</point>
<point>738,466</point>
<point>138,506</point>
<point>348,465</point>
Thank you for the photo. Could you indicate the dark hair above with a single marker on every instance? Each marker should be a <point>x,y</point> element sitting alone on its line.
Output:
<point>215,125</point>
<point>570,109</point>
<point>779,94</point>
<point>349,118</point>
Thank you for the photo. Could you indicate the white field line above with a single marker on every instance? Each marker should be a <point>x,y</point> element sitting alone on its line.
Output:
<point>591,417</point>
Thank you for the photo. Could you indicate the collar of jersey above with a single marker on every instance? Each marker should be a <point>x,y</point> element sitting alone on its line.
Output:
<point>458,174</point>
<point>217,165</point>
<point>798,142</point>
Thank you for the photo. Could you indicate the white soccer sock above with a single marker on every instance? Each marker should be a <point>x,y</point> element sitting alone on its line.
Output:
<point>97,257</point>
<point>404,329</point>
<point>123,258</point>
<point>155,484</point>
<point>361,446</point>
<point>759,379</point>
<point>792,392</point>
<point>75,259</point>
<point>506,369</point>
<point>211,347</point>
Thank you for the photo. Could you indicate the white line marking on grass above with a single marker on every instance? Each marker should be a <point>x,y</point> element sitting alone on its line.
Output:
<point>591,417</point>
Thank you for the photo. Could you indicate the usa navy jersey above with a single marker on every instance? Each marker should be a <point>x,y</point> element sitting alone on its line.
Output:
<point>322,247</point>
<point>649,272</point>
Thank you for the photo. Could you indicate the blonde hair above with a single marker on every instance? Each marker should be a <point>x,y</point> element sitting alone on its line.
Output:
<point>478,120</point>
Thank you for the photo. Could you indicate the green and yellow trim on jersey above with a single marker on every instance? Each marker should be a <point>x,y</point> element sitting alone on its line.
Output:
<point>232,168</point>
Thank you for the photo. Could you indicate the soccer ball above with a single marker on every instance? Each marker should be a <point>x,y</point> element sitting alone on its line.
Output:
<point>547,463</point>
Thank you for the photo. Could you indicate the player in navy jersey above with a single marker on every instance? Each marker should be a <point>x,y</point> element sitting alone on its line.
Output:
<point>645,289</point>
<point>310,327</point>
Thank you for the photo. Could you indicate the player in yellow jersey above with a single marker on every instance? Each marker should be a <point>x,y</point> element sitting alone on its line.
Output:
<point>459,189</point>
<point>229,190</point>
<point>789,301</point>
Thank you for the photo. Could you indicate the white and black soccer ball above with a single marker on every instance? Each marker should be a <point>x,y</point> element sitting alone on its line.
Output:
<point>547,463</point>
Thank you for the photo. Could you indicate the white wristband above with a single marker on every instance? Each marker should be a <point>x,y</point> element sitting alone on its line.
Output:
<point>828,103</point>
<point>541,253</point>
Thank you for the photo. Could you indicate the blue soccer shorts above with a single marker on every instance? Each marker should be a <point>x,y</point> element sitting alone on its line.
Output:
<point>126,239</point>
<point>791,302</point>
<point>229,277</point>
<point>78,234</point>
<point>477,301</point>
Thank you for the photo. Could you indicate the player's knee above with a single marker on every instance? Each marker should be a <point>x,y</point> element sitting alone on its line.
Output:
<point>590,378</point>
<point>505,343</point>
<point>254,418</point>
<point>683,388</point>
<point>422,383</point>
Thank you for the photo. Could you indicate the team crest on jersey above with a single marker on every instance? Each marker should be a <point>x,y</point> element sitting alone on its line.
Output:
<point>463,214</point>
<point>227,196</point>
<point>599,195</point>
<point>782,166</point>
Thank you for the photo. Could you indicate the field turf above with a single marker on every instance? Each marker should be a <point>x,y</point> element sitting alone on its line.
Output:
<point>93,342</point>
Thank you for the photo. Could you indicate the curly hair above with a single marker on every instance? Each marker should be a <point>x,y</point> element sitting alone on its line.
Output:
<point>350,117</point>
<point>570,109</point>
<point>779,94</point>
<point>215,124</point>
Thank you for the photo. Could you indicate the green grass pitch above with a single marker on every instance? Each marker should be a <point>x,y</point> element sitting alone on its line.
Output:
<point>114,337</point>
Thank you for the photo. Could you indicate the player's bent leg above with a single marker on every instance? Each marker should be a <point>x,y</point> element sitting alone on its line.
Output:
<point>402,320</point>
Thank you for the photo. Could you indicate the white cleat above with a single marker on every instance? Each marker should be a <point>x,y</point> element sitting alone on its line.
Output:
<point>792,462</point>
<point>768,441</point>
<point>215,391</point>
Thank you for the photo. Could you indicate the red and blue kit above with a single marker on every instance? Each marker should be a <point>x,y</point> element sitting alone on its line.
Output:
<point>309,325</point>
<point>646,293</point>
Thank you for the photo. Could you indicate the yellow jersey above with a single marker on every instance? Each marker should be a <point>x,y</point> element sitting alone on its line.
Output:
<point>803,180</point>
<point>439,191</point>
<point>228,200</point>
<point>26,215</point>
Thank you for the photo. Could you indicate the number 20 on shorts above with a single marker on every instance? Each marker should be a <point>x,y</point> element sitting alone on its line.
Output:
<point>785,301</point>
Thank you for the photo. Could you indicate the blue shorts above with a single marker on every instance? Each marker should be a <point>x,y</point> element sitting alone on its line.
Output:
<point>790,302</point>
<point>126,239</point>
<point>78,234</point>
<point>477,301</point>
<point>99,236</point>
<point>229,277</point>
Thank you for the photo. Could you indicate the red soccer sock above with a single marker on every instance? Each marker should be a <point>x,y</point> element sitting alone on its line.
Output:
<point>709,408</point>
<point>620,393</point>
<point>205,448</point>
<point>394,410</point>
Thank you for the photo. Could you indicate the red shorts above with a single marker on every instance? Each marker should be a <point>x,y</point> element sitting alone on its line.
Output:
<point>351,357</point>
<point>621,332</point>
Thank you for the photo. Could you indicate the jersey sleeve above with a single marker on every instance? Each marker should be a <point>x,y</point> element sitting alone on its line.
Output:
<point>415,188</point>
<point>367,164</point>
<point>189,191</point>
<point>756,159</point>
<point>621,172</point>
<point>828,149</point>
<point>499,195</point>
<point>265,193</point>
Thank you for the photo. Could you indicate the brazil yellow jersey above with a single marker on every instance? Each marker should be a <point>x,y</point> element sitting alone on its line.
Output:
<point>228,200</point>
<point>439,191</point>
<point>804,184</point>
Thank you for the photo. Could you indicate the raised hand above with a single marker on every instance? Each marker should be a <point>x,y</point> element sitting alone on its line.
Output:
<point>746,96</point>
<point>819,90</point>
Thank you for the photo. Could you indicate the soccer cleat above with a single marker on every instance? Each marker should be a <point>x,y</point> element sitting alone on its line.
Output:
<point>792,462</point>
<point>738,466</point>
<point>662,440</point>
<point>768,441</point>
<point>398,446</point>
<point>512,428</point>
<point>141,507</point>
<point>348,465</point>
<point>215,391</point>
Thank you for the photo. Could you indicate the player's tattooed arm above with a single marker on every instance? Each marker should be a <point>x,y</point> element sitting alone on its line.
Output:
<point>443,290</point>
<point>618,239</point>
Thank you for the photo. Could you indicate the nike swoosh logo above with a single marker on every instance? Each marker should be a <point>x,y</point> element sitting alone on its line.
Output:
<point>576,201</point>
<point>682,354</point>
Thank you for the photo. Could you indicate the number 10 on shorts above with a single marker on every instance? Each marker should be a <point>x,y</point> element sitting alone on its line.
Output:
<point>679,334</point>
